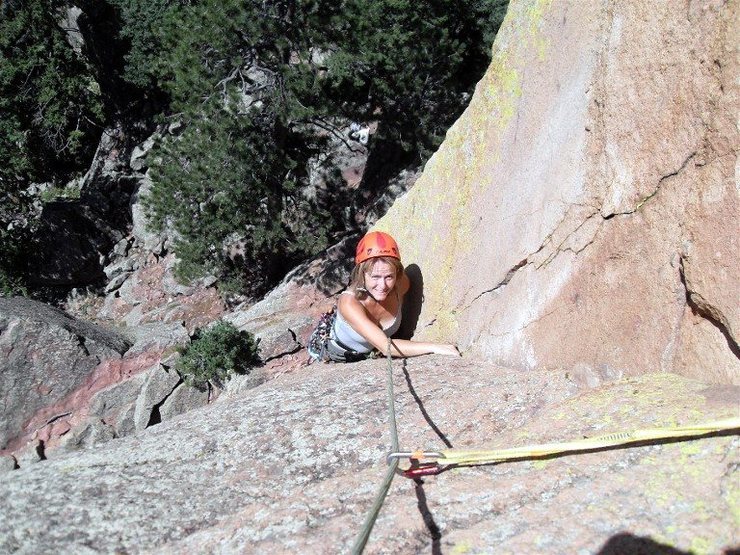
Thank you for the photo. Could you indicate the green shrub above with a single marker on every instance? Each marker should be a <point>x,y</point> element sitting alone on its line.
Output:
<point>11,286</point>
<point>216,353</point>
<point>14,245</point>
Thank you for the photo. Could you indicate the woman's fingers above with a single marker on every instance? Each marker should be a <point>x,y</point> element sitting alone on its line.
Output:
<point>448,350</point>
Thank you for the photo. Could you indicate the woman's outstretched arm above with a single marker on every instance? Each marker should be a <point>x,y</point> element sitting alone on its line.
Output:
<point>354,313</point>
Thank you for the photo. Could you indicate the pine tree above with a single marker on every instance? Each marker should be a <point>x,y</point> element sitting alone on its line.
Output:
<point>50,116</point>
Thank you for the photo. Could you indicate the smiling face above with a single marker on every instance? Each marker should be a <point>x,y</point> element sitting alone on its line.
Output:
<point>381,279</point>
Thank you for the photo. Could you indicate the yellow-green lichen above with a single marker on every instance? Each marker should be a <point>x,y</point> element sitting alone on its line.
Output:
<point>692,448</point>
<point>659,492</point>
<point>461,548</point>
<point>459,174</point>
<point>700,545</point>
<point>732,498</point>
<point>700,511</point>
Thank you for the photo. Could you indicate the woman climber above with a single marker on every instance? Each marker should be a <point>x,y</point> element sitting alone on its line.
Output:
<point>369,311</point>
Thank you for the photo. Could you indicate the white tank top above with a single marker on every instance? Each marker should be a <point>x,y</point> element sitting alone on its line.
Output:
<point>345,334</point>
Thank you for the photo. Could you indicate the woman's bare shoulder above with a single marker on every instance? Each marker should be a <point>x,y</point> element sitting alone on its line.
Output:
<point>347,300</point>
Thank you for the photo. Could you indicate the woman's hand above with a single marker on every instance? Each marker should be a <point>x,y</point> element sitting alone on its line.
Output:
<point>447,350</point>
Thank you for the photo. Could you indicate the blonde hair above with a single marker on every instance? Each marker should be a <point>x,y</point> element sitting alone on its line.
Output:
<point>357,278</point>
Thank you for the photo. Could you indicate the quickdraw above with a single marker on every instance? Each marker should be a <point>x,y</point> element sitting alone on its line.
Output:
<point>425,463</point>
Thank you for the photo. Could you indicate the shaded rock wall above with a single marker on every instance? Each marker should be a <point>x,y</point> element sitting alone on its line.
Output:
<point>284,319</point>
<point>584,209</point>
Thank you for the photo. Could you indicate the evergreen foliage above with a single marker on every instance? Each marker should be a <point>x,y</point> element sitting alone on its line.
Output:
<point>50,115</point>
<point>407,64</point>
<point>143,24</point>
<point>227,195</point>
<point>217,353</point>
<point>50,111</point>
<point>258,86</point>
<point>253,81</point>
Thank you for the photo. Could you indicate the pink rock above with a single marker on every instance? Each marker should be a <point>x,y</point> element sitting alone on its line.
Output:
<point>75,406</point>
<point>586,199</point>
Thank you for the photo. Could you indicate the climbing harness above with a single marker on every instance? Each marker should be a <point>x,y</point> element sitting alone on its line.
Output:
<point>320,336</point>
<point>323,347</point>
<point>426,463</point>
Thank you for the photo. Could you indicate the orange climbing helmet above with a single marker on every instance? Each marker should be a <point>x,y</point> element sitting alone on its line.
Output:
<point>375,244</point>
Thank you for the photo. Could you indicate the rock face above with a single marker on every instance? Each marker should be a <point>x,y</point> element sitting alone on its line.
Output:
<point>584,209</point>
<point>44,356</point>
<point>74,237</point>
<point>293,467</point>
<point>67,384</point>
<point>148,293</point>
<point>285,318</point>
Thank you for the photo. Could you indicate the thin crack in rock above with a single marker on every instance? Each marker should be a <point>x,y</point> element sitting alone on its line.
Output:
<point>55,418</point>
<point>293,351</point>
<point>81,342</point>
<point>559,249</point>
<point>512,271</point>
<point>510,274</point>
<point>526,325</point>
<point>155,416</point>
<point>643,201</point>
<point>700,307</point>
<point>507,278</point>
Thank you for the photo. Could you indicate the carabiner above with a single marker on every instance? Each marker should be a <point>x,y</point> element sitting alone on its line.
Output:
<point>427,469</point>
<point>414,455</point>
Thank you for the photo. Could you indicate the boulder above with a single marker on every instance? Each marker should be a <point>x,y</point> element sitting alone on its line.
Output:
<point>158,386</point>
<point>584,209</point>
<point>140,152</point>
<point>116,404</point>
<point>67,385</point>
<point>45,355</point>
<point>148,240</point>
<point>182,399</point>
<point>125,397</point>
<point>295,464</point>
<point>31,453</point>
<point>92,432</point>
<point>165,337</point>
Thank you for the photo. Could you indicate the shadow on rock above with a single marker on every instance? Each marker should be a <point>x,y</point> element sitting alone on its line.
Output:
<point>412,303</point>
<point>329,273</point>
<point>424,412</point>
<point>627,544</point>
<point>421,498</point>
<point>426,514</point>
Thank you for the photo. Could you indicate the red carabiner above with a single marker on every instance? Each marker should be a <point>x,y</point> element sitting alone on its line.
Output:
<point>427,469</point>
